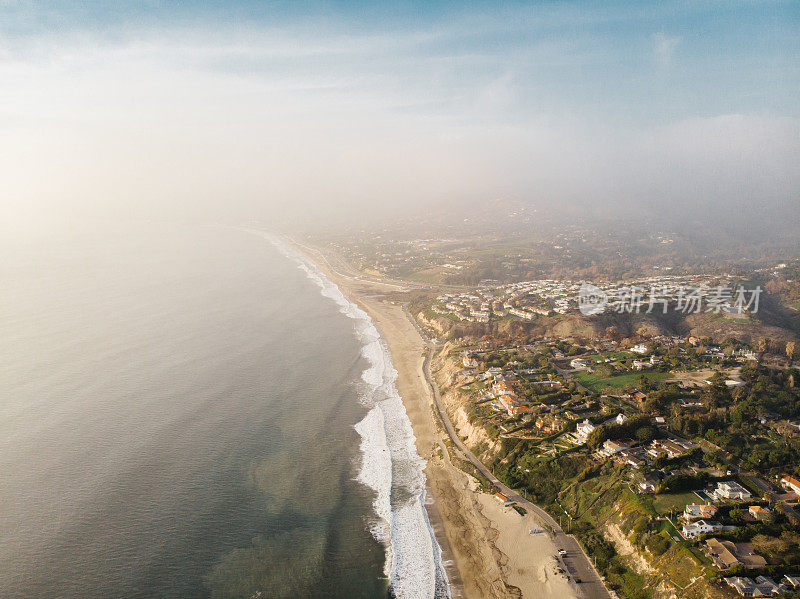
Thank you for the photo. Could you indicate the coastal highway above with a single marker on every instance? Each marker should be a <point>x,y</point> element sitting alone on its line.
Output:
<point>576,562</point>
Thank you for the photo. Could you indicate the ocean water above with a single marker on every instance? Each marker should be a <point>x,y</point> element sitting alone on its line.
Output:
<point>192,411</point>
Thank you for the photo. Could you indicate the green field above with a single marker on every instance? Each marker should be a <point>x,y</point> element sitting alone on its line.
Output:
<point>614,355</point>
<point>663,504</point>
<point>595,383</point>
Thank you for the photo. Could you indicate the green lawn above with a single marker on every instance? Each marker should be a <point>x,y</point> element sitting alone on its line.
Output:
<point>677,501</point>
<point>614,355</point>
<point>620,381</point>
<point>666,526</point>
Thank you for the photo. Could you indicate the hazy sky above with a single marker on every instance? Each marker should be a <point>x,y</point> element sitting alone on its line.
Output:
<point>259,108</point>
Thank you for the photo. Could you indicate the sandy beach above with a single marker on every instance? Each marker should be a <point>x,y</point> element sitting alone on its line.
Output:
<point>488,548</point>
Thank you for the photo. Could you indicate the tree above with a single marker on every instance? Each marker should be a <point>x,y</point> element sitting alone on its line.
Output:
<point>790,350</point>
<point>660,460</point>
<point>645,434</point>
<point>763,345</point>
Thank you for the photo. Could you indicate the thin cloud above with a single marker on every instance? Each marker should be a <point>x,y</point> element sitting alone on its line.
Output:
<point>664,49</point>
<point>255,120</point>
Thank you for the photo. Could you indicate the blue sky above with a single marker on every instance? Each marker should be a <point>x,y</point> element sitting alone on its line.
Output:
<point>636,60</point>
<point>606,98</point>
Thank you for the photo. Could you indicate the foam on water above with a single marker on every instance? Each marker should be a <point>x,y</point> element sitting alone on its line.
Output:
<point>390,464</point>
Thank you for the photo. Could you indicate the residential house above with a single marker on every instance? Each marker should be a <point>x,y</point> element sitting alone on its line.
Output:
<point>611,447</point>
<point>519,410</point>
<point>769,587</point>
<point>731,490</point>
<point>502,388</point>
<point>743,585</point>
<point>692,530</point>
<point>791,483</point>
<point>502,498</point>
<point>672,447</point>
<point>759,513</point>
<point>583,430</point>
<point>792,582</point>
<point>726,554</point>
<point>513,405</point>
<point>733,383</point>
<point>691,403</point>
<point>639,349</point>
<point>469,361</point>
<point>652,480</point>
<point>762,586</point>
<point>520,313</point>
<point>578,363</point>
<point>694,511</point>
<point>745,354</point>
<point>633,457</point>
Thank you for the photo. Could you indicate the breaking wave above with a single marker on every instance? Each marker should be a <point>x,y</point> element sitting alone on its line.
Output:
<point>390,465</point>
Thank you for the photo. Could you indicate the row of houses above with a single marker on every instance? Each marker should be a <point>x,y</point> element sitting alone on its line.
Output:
<point>502,388</point>
<point>505,394</point>
<point>763,586</point>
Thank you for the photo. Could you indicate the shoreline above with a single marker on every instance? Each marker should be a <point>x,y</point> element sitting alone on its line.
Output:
<point>486,548</point>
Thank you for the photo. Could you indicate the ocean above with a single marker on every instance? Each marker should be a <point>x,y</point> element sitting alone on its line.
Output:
<point>196,411</point>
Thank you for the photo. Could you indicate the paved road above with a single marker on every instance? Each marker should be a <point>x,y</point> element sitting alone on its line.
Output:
<point>576,562</point>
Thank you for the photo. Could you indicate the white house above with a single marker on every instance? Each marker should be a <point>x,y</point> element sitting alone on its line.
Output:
<point>791,483</point>
<point>621,418</point>
<point>731,490</point>
<point>612,447</point>
<point>639,349</point>
<point>583,430</point>
<point>733,383</point>
<point>578,363</point>
<point>693,530</point>
<point>650,483</point>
